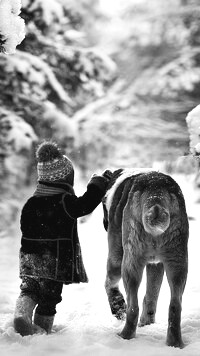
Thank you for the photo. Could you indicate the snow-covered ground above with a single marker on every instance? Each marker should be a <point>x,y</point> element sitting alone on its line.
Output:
<point>83,323</point>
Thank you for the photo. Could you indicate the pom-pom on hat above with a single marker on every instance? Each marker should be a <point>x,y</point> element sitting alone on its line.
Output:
<point>53,165</point>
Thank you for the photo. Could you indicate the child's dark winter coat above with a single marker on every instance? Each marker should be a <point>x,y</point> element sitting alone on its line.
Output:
<point>50,246</point>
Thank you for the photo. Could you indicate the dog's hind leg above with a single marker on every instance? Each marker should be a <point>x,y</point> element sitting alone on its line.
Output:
<point>154,273</point>
<point>132,275</point>
<point>176,274</point>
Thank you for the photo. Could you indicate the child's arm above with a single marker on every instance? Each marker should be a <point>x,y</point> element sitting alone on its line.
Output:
<point>85,204</point>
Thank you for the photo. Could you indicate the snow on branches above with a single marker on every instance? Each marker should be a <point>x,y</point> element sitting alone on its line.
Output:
<point>16,135</point>
<point>193,123</point>
<point>12,27</point>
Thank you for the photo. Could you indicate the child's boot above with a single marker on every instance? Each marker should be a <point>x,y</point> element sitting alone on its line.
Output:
<point>23,315</point>
<point>44,321</point>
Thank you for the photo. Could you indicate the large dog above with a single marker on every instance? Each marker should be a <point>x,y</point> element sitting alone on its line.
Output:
<point>147,224</point>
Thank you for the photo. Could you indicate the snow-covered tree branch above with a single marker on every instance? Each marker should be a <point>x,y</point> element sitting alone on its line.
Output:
<point>12,26</point>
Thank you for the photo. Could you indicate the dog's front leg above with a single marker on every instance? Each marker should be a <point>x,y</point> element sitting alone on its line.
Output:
<point>115,297</point>
<point>154,273</point>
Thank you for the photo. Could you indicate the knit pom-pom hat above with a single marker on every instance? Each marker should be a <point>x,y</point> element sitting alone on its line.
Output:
<point>53,165</point>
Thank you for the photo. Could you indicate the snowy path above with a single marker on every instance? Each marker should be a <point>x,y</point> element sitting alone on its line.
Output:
<point>83,323</point>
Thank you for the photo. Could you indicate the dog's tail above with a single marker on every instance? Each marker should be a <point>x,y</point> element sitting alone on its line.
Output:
<point>156,219</point>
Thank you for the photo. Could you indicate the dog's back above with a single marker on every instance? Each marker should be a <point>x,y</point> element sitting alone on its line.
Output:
<point>154,198</point>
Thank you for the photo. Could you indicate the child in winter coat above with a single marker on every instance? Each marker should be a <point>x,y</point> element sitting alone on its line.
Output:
<point>50,253</point>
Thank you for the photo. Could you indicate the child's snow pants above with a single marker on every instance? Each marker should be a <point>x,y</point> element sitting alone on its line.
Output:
<point>45,292</point>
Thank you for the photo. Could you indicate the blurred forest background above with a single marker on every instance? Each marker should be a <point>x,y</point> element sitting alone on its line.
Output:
<point>111,81</point>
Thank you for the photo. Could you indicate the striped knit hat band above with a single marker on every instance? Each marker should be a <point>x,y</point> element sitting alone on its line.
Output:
<point>54,170</point>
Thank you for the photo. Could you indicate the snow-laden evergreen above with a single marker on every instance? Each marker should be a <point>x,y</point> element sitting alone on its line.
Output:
<point>12,26</point>
<point>193,122</point>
